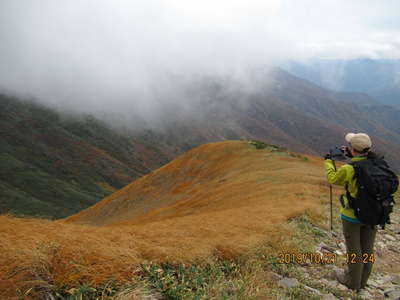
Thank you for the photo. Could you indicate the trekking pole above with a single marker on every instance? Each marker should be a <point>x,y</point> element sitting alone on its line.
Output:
<point>330,196</point>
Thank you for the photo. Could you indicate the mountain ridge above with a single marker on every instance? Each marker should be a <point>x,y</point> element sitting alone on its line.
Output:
<point>192,182</point>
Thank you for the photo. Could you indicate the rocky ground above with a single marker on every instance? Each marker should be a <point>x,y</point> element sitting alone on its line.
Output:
<point>319,280</point>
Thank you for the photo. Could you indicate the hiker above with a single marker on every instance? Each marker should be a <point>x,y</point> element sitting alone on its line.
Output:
<point>359,237</point>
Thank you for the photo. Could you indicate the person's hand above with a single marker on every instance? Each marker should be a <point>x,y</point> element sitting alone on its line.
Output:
<point>346,151</point>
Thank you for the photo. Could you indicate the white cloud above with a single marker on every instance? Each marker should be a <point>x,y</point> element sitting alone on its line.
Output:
<point>90,53</point>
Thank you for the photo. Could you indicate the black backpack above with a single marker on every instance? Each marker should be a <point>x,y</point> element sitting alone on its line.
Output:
<point>376,185</point>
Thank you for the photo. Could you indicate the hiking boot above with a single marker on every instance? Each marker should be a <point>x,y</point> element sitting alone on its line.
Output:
<point>341,277</point>
<point>364,294</point>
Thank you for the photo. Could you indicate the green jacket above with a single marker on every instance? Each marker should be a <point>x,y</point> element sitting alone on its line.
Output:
<point>344,176</point>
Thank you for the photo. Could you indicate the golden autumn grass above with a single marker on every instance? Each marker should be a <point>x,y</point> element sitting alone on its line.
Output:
<point>218,200</point>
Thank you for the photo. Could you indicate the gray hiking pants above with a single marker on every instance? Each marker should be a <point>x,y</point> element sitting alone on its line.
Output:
<point>360,252</point>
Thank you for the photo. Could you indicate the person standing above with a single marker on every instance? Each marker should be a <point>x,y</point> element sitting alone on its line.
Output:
<point>359,237</point>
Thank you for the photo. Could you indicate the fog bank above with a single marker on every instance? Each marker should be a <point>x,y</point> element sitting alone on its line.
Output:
<point>100,56</point>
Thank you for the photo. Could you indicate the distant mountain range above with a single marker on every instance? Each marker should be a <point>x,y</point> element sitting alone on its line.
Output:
<point>54,165</point>
<point>285,110</point>
<point>380,78</point>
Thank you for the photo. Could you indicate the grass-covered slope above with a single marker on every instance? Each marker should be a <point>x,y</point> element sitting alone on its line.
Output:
<point>218,198</point>
<point>225,176</point>
<point>53,166</point>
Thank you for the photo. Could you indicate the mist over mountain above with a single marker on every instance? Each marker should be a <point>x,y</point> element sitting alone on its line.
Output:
<point>55,164</point>
<point>285,110</point>
<point>379,78</point>
<point>104,56</point>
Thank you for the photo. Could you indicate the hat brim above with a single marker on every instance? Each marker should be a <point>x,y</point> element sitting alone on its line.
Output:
<point>349,136</point>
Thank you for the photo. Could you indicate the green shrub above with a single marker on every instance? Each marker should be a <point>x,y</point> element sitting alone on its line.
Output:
<point>179,281</point>
<point>262,145</point>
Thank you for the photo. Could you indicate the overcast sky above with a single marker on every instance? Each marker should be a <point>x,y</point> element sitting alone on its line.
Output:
<point>91,52</point>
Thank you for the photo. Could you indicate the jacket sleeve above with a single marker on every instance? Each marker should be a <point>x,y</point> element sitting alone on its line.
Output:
<point>338,176</point>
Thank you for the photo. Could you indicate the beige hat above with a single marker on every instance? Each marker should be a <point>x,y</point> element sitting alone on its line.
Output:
<point>359,141</point>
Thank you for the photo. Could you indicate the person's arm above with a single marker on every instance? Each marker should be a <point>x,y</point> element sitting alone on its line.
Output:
<point>338,176</point>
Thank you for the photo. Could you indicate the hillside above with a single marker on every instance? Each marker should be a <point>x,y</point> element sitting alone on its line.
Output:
<point>228,178</point>
<point>212,223</point>
<point>218,198</point>
<point>349,111</point>
<point>53,165</point>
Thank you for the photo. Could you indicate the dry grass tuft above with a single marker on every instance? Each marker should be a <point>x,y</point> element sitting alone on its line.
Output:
<point>38,254</point>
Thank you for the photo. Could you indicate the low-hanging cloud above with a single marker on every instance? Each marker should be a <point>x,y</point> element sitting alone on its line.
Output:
<point>116,55</point>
